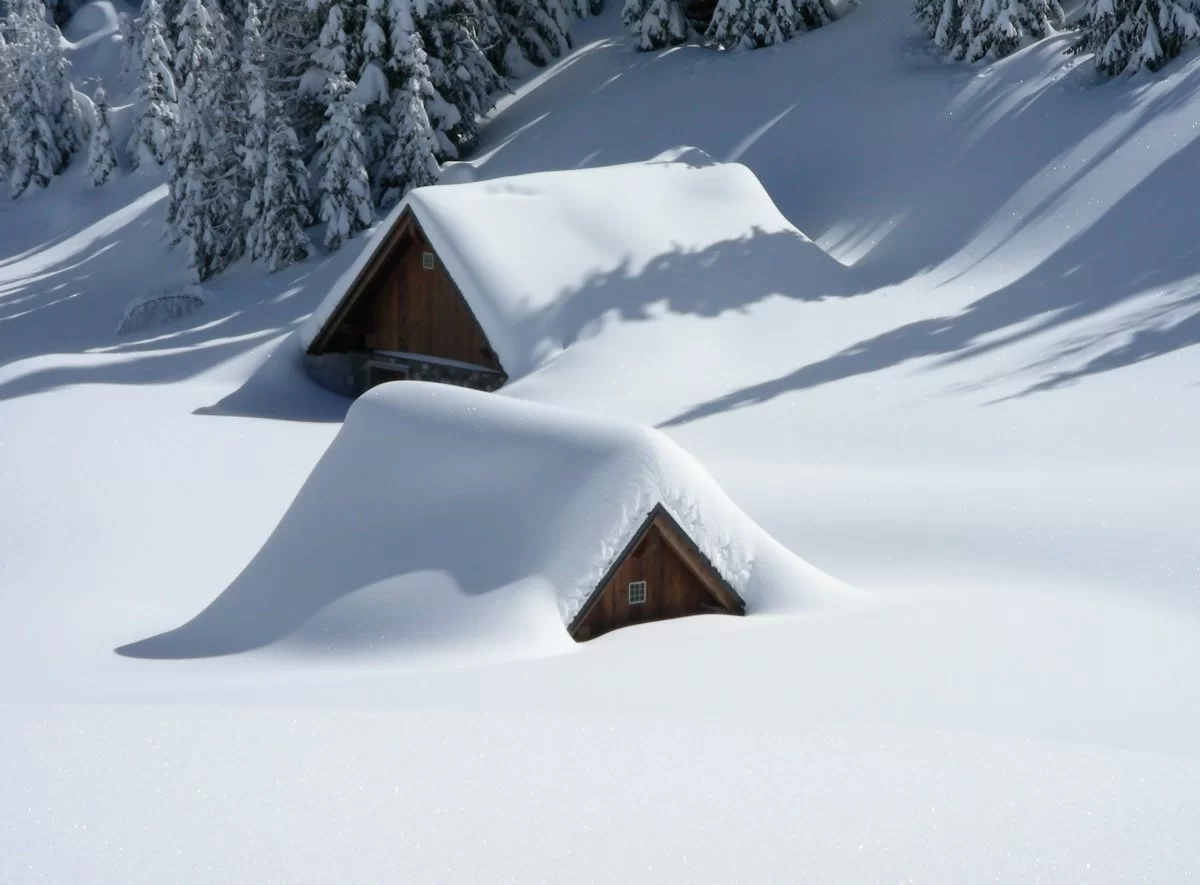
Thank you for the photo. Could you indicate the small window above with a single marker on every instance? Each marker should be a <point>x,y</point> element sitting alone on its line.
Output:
<point>427,260</point>
<point>637,592</point>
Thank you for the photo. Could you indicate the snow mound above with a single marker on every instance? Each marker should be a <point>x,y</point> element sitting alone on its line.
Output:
<point>159,309</point>
<point>534,254</point>
<point>90,21</point>
<point>451,519</point>
<point>692,156</point>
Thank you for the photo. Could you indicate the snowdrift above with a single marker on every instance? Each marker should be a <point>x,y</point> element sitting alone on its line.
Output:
<point>539,256</point>
<point>447,518</point>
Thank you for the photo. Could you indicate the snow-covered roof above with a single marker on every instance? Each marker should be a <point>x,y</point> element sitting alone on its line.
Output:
<point>499,519</point>
<point>522,248</point>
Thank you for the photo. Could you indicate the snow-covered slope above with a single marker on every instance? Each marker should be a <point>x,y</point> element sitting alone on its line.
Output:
<point>992,428</point>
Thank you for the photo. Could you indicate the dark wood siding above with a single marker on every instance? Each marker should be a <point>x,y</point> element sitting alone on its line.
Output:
<point>404,306</point>
<point>673,589</point>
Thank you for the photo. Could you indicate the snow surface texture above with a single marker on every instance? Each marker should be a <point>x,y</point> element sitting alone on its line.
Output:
<point>994,431</point>
<point>534,254</point>
<point>523,507</point>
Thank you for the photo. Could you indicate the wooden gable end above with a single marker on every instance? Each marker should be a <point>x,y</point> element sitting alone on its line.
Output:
<point>404,301</point>
<point>679,581</point>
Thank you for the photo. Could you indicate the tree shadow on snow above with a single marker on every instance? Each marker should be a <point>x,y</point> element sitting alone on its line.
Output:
<point>65,287</point>
<point>1142,245</point>
<point>731,275</point>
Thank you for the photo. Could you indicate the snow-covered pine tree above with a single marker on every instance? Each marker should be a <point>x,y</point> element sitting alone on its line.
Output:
<point>254,149</point>
<point>192,67</point>
<point>655,24</point>
<point>234,12</point>
<point>411,162</point>
<point>1128,35</point>
<point>66,118</point>
<point>32,152</point>
<point>194,41</point>
<point>7,85</point>
<point>129,49</point>
<point>190,212</point>
<point>156,114</point>
<point>812,14</point>
<point>227,121</point>
<point>751,24</point>
<point>205,199</point>
<point>45,125</point>
<point>977,29</point>
<point>585,8</point>
<point>942,20</point>
<point>373,93</point>
<point>290,30</point>
<point>338,48</point>
<point>282,240</point>
<point>345,189</point>
<point>452,33</point>
<point>996,27</point>
<point>102,161</point>
<point>539,30</point>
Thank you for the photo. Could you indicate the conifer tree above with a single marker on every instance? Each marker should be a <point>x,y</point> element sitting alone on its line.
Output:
<point>31,150</point>
<point>373,91</point>
<point>338,49</point>
<point>540,30</point>
<point>45,125</point>
<point>655,24</point>
<point>1127,36</point>
<point>585,8</point>
<point>751,24</point>
<point>812,14</point>
<point>289,30</point>
<point>194,41</point>
<point>101,158</point>
<point>978,29</point>
<point>997,27</point>
<point>282,240</point>
<point>129,48</point>
<point>345,189</point>
<point>205,200</point>
<point>7,86</point>
<point>460,72</point>
<point>254,149</point>
<point>66,118</point>
<point>942,20</point>
<point>227,121</point>
<point>156,114</point>
<point>411,162</point>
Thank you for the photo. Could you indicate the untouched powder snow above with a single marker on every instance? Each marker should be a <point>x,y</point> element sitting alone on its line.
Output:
<point>480,521</point>
<point>538,256</point>
<point>989,424</point>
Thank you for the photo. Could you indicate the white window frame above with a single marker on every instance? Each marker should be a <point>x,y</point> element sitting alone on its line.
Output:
<point>637,592</point>
<point>427,261</point>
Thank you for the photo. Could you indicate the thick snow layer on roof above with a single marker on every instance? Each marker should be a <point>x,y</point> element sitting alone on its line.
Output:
<point>523,249</point>
<point>475,520</point>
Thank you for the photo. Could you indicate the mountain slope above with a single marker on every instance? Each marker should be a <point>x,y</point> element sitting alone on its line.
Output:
<point>990,429</point>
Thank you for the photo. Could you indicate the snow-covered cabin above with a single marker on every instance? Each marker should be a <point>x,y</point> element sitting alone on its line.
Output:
<point>507,526</point>
<point>480,282</point>
<point>660,574</point>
